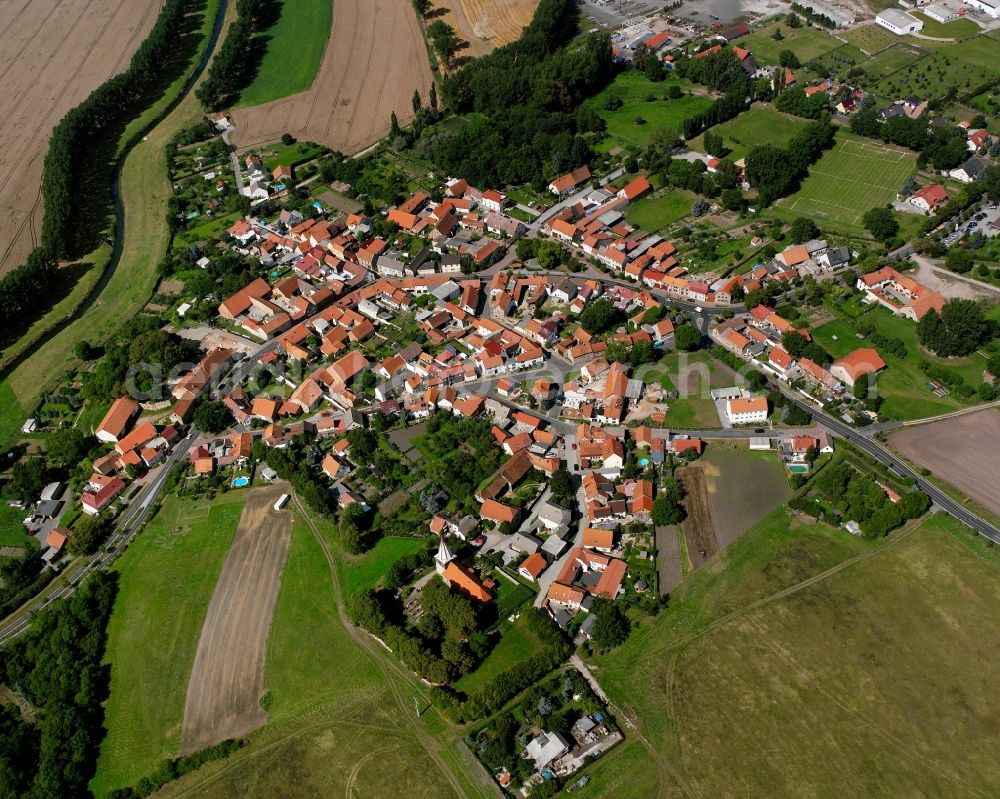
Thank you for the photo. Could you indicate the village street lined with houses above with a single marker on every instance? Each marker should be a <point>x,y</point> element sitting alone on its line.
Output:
<point>645,366</point>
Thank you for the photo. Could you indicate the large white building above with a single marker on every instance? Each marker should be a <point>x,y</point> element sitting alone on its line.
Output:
<point>899,22</point>
<point>989,7</point>
<point>747,410</point>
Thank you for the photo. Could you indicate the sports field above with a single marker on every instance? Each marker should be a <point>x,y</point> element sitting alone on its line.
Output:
<point>302,28</point>
<point>854,176</point>
<point>805,662</point>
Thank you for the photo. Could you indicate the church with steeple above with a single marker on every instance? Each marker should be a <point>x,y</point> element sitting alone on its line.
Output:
<point>461,578</point>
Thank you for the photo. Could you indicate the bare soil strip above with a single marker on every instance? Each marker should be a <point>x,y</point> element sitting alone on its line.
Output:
<point>374,59</point>
<point>54,55</point>
<point>668,558</point>
<point>964,450</point>
<point>699,532</point>
<point>227,680</point>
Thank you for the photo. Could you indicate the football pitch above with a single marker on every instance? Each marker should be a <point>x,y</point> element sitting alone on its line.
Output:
<point>853,177</point>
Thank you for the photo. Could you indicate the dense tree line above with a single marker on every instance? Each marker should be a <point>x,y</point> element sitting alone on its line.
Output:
<point>795,101</point>
<point>57,666</point>
<point>76,141</point>
<point>22,287</point>
<point>529,124</point>
<point>504,686</point>
<point>727,107</point>
<point>959,330</point>
<point>776,171</point>
<point>174,769</point>
<point>235,62</point>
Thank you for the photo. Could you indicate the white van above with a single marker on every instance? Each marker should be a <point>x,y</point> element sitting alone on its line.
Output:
<point>282,501</point>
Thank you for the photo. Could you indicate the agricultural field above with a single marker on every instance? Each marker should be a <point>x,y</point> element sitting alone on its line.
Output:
<point>902,385</point>
<point>743,487</point>
<point>760,124</point>
<point>227,679</point>
<point>965,451</point>
<point>643,99</point>
<point>302,27</point>
<point>55,58</point>
<point>154,630</point>
<point>654,213</point>
<point>854,176</point>
<point>145,189</point>
<point>896,648</point>
<point>340,708</point>
<point>806,42</point>
<point>347,107</point>
<point>484,24</point>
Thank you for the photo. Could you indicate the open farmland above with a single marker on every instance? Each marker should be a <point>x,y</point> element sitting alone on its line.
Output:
<point>851,178</point>
<point>56,54</point>
<point>154,629</point>
<point>224,692</point>
<point>484,24</point>
<point>374,60</point>
<point>964,450</point>
<point>743,487</point>
<point>787,667</point>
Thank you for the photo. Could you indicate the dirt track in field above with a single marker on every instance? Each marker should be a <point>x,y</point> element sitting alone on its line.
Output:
<point>965,451</point>
<point>699,532</point>
<point>227,679</point>
<point>55,53</point>
<point>374,59</point>
<point>484,24</point>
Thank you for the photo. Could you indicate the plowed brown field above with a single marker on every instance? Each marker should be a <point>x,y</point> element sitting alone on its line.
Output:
<point>55,53</point>
<point>486,24</point>
<point>374,59</point>
<point>227,679</point>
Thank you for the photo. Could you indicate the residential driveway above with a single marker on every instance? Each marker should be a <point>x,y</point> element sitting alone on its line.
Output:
<point>720,408</point>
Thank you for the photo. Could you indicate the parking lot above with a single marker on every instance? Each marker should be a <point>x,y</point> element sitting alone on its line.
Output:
<point>985,221</point>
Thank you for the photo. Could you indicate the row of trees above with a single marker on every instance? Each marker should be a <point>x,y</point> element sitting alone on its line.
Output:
<point>236,60</point>
<point>21,287</point>
<point>776,171</point>
<point>77,144</point>
<point>942,148</point>
<point>57,666</point>
<point>960,329</point>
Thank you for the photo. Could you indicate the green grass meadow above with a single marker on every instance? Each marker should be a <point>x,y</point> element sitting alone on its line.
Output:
<point>302,28</point>
<point>366,570</point>
<point>643,98</point>
<point>876,679</point>
<point>757,125</point>
<point>806,42</point>
<point>653,213</point>
<point>168,575</point>
<point>852,177</point>
<point>957,28</point>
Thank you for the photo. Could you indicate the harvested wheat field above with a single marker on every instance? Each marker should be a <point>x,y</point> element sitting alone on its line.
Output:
<point>964,450</point>
<point>374,59</point>
<point>485,24</point>
<point>55,54</point>
<point>227,679</point>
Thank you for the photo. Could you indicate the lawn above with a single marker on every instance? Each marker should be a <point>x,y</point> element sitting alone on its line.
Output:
<point>760,124</point>
<point>644,99</point>
<point>211,227</point>
<point>691,414</point>
<point>873,680</point>
<point>902,385</point>
<point>806,42</point>
<point>12,530</point>
<point>12,418</point>
<point>290,154</point>
<point>946,30</point>
<point>168,575</point>
<point>654,213</point>
<point>302,28</point>
<point>854,176</point>
<point>365,571</point>
<point>517,643</point>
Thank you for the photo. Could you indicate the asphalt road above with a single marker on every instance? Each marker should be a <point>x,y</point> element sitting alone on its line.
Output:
<point>128,524</point>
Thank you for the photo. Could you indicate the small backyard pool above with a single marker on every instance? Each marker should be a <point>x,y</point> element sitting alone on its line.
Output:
<point>241,482</point>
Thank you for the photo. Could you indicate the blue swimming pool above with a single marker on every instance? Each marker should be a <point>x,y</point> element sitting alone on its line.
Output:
<point>644,462</point>
<point>241,482</point>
